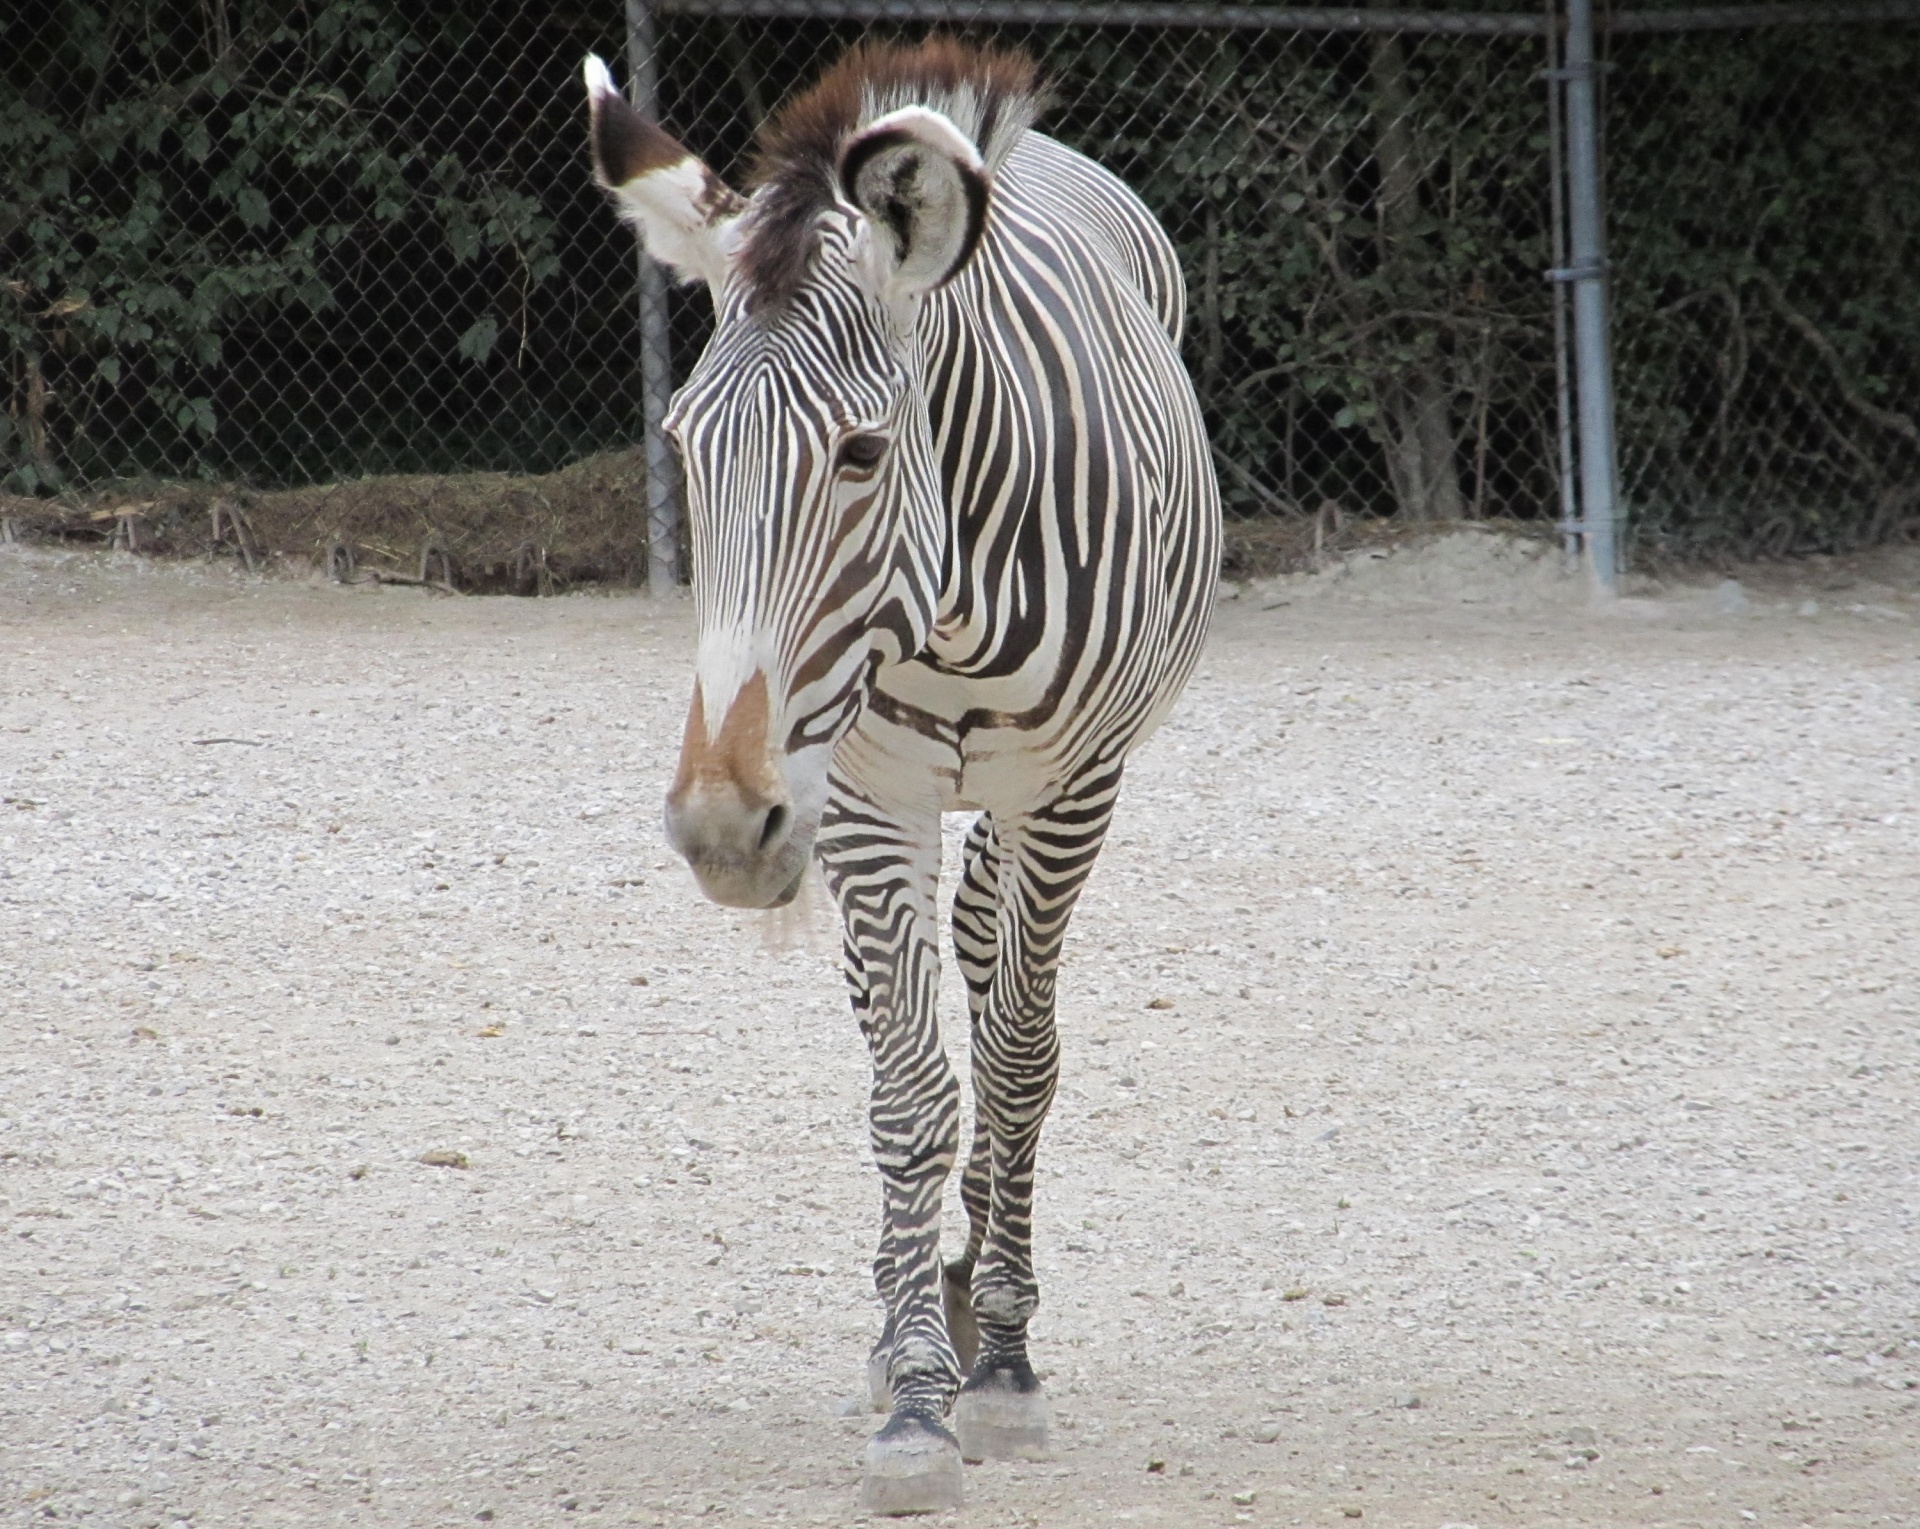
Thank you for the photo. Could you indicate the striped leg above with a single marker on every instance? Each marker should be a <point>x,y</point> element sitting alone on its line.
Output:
<point>1045,859</point>
<point>976,952</point>
<point>883,867</point>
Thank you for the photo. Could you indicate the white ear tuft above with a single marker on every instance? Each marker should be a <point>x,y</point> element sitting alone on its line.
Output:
<point>685,213</point>
<point>599,78</point>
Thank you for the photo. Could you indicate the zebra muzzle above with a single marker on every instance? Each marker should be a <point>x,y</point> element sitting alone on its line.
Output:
<point>730,813</point>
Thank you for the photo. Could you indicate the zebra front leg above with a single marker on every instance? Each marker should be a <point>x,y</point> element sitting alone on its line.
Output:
<point>1002,1412</point>
<point>976,953</point>
<point>884,871</point>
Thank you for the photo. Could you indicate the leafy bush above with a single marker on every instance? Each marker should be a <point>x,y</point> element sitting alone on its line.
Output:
<point>175,176</point>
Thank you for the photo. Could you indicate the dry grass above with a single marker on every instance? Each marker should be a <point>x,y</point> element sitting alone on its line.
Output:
<point>504,533</point>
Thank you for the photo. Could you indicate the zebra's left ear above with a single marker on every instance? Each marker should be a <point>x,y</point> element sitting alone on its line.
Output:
<point>923,187</point>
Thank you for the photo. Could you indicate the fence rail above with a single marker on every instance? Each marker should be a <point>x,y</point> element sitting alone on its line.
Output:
<point>1268,18</point>
<point>272,246</point>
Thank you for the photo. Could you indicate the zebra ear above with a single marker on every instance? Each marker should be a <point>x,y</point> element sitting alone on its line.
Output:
<point>687,216</point>
<point>923,187</point>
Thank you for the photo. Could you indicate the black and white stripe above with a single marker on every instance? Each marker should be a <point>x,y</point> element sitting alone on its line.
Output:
<point>968,531</point>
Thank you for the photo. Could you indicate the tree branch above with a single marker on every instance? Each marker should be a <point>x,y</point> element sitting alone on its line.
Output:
<point>1887,419</point>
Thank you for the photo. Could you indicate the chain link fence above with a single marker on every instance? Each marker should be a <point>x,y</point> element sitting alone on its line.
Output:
<point>290,242</point>
<point>279,244</point>
<point>1362,216</point>
<point>1764,201</point>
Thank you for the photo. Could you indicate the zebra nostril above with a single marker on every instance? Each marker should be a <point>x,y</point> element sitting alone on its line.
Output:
<point>774,828</point>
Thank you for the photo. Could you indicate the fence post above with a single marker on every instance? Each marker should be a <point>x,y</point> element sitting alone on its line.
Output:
<point>1587,271</point>
<point>656,349</point>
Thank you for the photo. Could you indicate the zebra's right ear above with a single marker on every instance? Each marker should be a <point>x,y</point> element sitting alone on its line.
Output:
<point>687,216</point>
<point>924,188</point>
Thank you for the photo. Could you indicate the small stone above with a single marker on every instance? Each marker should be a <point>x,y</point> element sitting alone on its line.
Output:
<point>1156,1467</point>
<point>359,1170</point>
<point>443,1157</point>
<point>1406,1399</point>
<point>1354,1512</point>
<point>1298,1293</point>
<point>1160,1003</point>
<point>485,1515</point>
<point>1333,1300</point>
<point>852,1407</point>
<point>1581,1437</point>
<point>1244,1499</point>
<point>1267,1433</point>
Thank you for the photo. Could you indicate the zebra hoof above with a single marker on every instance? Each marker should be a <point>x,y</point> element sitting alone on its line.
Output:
<point>912,1466</point>
<point>1002,1415</point>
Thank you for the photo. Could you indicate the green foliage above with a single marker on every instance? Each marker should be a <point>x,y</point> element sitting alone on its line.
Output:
<point>326,235</point>
<point>1766,222</point>
<point>174,174</point>
<point>1362,223</point>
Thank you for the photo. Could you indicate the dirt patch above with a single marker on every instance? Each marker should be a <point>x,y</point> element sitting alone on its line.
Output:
<point>1261,549</point>
<point>1489,1044</point>
<point>482,533</point>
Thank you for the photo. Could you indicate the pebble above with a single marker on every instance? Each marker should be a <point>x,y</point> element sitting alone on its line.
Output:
<point>1406,1399</point>
<point>1266,1433</point>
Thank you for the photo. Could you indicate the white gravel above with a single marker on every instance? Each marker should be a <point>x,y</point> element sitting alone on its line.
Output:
<point>1483,1002</point>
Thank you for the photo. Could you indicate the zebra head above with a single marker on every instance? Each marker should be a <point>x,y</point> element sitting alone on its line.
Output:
<point>819,531</point>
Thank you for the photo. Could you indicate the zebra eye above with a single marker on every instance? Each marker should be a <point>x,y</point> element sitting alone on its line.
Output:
<point>861,452</point>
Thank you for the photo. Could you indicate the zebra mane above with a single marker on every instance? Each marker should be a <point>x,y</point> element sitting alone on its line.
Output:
<point>991,96</point>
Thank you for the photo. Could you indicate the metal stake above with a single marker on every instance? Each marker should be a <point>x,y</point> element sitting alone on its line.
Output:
<point>1587,272</point>
<point>656,341</point>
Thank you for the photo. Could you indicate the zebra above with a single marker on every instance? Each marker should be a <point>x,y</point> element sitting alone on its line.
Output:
<point>955,538</point>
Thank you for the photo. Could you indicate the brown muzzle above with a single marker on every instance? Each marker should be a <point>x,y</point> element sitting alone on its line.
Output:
<point>729,812</point>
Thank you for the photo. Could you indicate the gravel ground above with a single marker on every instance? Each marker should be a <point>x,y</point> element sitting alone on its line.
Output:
<point>1489,1089</point>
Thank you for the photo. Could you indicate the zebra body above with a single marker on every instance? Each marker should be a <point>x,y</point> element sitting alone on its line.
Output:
<point>955,535</point>
<point>1070,617</point>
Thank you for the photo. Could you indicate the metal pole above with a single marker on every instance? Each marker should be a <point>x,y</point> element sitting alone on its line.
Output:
<point>1587,271</point>
<point>656,346</point>
<point>1557,211</point>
